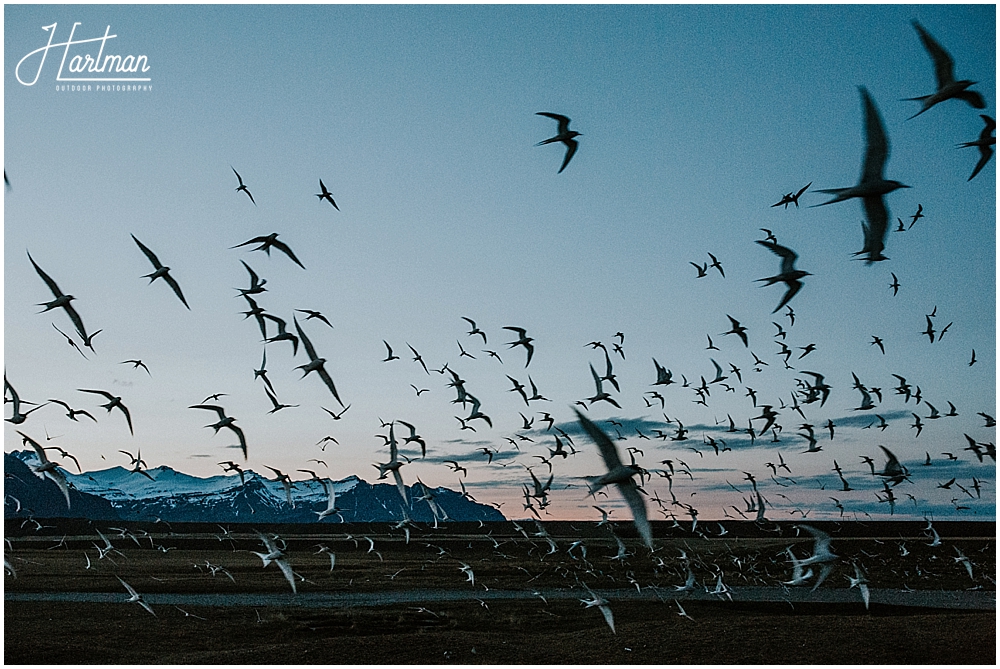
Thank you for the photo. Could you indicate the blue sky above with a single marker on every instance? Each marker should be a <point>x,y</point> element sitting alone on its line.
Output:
<point>421,121</point>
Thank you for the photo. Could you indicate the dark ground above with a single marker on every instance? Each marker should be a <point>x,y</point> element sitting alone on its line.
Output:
<point>507,632</point>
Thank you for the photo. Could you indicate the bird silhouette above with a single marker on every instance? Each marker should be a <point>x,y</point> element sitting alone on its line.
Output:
<point>984,143</point>
<point>791,277</point>
<point>944,71</point>
<point>564,135</point>
<point>242,186</point>
<point>872,185</point>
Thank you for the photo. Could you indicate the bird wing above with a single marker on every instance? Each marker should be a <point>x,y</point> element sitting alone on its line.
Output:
<point>253,275</point>
<point>77,321</point>
<point>638,506</point>
<point>255,240</point>
<point>176,288</point>
<point>148,253</point>
<point>571,146</point>
<point>399,485</point>
<point>876,141</point>
<point>286,569</point>
<point>878,226</point>
<point>604,444</point>
<point>608,616</point>
<point>131,590</point>
<point>520,331</point>
<point>46,278</point>
<point>211,407</point>
<point>98,392</point>
<point>892,466</point>
<point>985,153</point>
<point>310,351</point>
<point>35,445</point>
<point>284,248</point>
<point>943,64</point>
<point>128,417</point>
<point>563,121</point>
<point>597,380</point>
<point>788,256</point>
<point>323,374</point>
<point>242,438</point>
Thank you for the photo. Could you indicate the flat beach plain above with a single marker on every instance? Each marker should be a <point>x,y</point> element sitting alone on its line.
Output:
<point>389,601</point>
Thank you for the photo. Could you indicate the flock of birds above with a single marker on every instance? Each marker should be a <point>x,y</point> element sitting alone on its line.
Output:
<point>630,480</point>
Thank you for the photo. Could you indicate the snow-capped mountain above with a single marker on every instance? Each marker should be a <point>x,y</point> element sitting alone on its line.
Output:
<point>177,497</point>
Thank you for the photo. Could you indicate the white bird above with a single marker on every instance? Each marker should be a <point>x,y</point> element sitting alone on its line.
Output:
<point>46,468</point>
<point>467,570</point>
<point>331,501</point>
<point>393,466</point>
<point>859,581</point>
<point>821,554</point>
<point>688,584</point>
<point>135,596</point>
<point>619,474</point>
<point>937,538</point>
<point>965,561</point>
<point>333,556</point>
<point>278,557</point>
<point>602,604</point>
<point>799,576</point>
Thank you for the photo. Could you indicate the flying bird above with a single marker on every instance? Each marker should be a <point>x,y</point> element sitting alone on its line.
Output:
<point>46,468</point>
<point>62,300</point>
<point>113,403</point>
<point>944,71</point>
<point>162,272</point>
<point>790,198</point>
<point>311,314</point>
<point>619,474</point>
<point>389,355</point>
<point>872,186</point>
<point>72,413</point>
<point>738,329</point>
<point>564,135</point>
<point>69,340</point>
<point>475,329</point>
<point>242,186</point>
<point>224,421</point>
<point>524,340</point>
<point>717,265</point>
<point>315,363</point>
<point>326,195</point>
<point>601,394</point>
<point>985,143</point>
<point>16,416</point>
<point>256,283</point>
<point>276,556</point>
<point>135,596</point>
<point>267,242</point>
<point>790,276</point>
<point>136,364</point>
<point>417,358</point>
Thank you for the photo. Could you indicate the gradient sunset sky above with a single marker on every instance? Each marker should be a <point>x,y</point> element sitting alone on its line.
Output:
<point>421,120</point>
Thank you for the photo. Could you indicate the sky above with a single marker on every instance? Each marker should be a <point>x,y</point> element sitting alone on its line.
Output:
<point>422,122</point>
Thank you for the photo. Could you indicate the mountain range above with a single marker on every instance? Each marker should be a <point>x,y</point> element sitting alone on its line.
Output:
<point>172,496</point>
